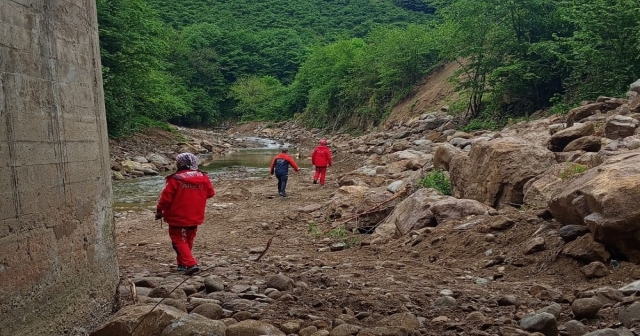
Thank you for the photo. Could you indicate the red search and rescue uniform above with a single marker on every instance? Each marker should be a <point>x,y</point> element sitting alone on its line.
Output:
<point>182,203</point>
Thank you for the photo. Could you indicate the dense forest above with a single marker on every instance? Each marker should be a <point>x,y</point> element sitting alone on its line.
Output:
<point>346,63</point>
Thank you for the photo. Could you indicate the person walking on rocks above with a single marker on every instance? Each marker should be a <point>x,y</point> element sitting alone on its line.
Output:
<point>280,167</point>
<point>321,159</point>
<point>182,203</point>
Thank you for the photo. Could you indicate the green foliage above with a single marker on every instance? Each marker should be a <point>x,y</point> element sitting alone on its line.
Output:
<point>603,52</point>
<point>314,230</point>
<point>437,179</point>
<point>571,170</point>
<point>338,234</point>
<point>342,236</point>
<point>354,83</point>
<point>139,92</point>
<point>345,64</point>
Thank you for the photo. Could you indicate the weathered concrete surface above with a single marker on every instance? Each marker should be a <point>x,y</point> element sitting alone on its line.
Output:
<point>58,268</point>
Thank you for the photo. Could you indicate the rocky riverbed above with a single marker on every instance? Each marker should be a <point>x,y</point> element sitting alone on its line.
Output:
<point>540,236</point>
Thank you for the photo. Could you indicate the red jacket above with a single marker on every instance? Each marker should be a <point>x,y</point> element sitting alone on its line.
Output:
<point>184,197</point>
<point>321,156</point>
<point>280,164</point>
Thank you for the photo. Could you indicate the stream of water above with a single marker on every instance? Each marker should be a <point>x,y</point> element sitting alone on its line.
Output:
<point>142,193</point>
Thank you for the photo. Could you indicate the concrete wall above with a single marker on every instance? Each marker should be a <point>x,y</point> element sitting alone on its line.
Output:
<point>58,268</point>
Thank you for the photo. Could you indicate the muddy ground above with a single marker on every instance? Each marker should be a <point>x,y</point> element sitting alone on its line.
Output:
<point>363,284</point>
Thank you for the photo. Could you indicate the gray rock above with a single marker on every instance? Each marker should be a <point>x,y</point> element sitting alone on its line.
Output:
<point>534,245</point>
<point>444,302</point>
<point>280,282</point>
<point>290,327</point>
<point>608,295</point>
<point>253,328</point>
<point>195,325</point>
<point>209,310</point>
<point>635,86</point>
<point>321,333</point>
<point>148,282</point>
<point>595,270</point>
<point>508,300</point>
<point>127,318</point>
<point>630,288</point>
<point>345,330</point>
<point>570,233</point>
<point>213,284</point>
<point>603,332</point>
<point>406,320</point>
<point>553,309</point>
<point>395,186</point>
<point>384,331</point>
<point>630,315</point>
<point>308,331</point>
<point>544,323</point>
<point>575,328</point>
<point>586,308</point>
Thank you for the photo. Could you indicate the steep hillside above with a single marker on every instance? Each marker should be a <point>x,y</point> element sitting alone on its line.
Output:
<point>431,94</point>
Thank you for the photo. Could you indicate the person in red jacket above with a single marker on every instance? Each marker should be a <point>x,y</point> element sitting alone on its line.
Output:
<point>280,167</point>
<point>321,159</point>
<point>182,203</point>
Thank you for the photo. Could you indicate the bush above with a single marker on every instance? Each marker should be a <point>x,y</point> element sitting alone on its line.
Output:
<point>437,179</point>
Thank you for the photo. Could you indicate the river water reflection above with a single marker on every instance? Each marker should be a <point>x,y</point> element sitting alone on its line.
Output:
<point>141,193</point>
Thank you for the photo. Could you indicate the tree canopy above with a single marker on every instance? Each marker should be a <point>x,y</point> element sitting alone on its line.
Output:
<point>346,63</point>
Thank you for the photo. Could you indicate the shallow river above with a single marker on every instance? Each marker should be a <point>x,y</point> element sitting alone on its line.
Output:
<point>141,193</point>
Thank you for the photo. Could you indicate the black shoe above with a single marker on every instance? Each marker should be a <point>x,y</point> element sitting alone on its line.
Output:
<point>284,195</point>
<point>315,181</point>
<point>181,268</point>
<point>192,270</point>
<point>281,194</point>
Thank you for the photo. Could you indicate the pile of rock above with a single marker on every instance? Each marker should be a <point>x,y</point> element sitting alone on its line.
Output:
<point>209,307</point>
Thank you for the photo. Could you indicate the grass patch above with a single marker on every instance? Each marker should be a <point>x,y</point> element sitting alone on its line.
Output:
<point>438,180</point>
<point>571,170</point>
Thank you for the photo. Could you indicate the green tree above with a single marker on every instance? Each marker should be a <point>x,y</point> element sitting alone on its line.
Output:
<point>138,90</point>
<point>603,53</point>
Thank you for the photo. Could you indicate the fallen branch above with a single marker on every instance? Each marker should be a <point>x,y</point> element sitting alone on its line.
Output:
<point>265,249</point>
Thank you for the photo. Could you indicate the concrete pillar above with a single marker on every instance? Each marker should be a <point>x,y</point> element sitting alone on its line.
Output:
<point>58,266</point>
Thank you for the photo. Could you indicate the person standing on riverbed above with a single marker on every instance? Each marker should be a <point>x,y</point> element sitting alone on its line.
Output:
<point>321,159</point>
<point>280,167</point>
<point>182,203</point>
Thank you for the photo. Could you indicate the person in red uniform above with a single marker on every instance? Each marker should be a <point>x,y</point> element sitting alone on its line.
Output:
<point>280,167</point>
<point>321,159</point>
<point>182,203</point>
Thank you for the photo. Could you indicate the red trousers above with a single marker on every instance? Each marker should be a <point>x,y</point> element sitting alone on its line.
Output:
<point>182,241</point>
<point>321,174</point>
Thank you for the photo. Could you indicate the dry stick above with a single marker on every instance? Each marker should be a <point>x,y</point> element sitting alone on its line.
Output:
<point>265,249</point>
<point>132,288</point>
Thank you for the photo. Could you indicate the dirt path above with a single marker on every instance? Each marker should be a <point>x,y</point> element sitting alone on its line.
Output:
<point>362,285</point>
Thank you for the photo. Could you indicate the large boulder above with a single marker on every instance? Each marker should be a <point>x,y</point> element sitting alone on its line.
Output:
<point>412,213</point>
<point>561,139</point>
<point>587,144</point>
<point>585,111</point>
<point>195,325</point>
<point>587,250</point>
<point>253,328</point>
<point>144,168</point>
<point>539,190</point>
<point>495,172</point>
<point>350,201</point>
<point>151,323</point>
<point>620,127</point>
<point>453,208</point>
<point>443,155</point>
<point>606,200</point>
